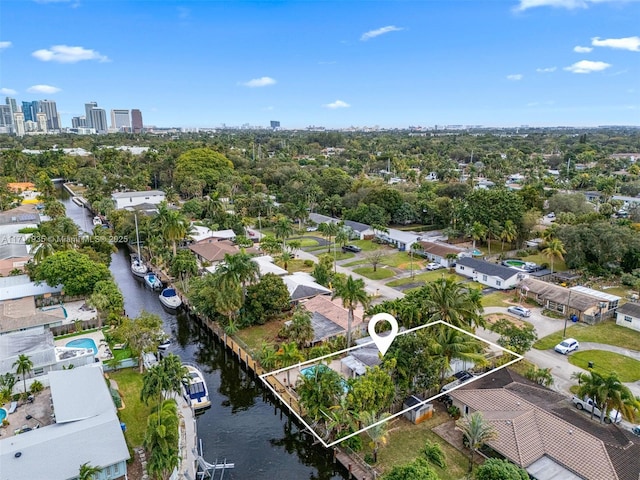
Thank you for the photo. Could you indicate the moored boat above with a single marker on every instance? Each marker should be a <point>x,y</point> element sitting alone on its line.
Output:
<point>170,299</point>
<point>195,388</point>
<point>97,221</point>
<point>138,268</point>
<point>153,281</point>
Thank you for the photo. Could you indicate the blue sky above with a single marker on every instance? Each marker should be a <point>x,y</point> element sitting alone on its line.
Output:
<point>335,64</point>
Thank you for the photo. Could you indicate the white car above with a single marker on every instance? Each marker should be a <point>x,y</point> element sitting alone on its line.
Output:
<point>568,345</point>
<point>312,229</point>
<point>433,266</point>
<point>518,310</point>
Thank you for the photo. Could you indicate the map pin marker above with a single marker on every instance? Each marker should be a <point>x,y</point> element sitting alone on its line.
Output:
<point>383,343</point>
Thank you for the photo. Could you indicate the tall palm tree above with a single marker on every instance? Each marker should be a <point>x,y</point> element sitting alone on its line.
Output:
<point>478,232</point>
<point>283,229</point>
<point>412,248</point>
<point>554,250</point>
<point>288,355</point>
<point>450,344</point>
<point>176,228</point>
<point>88,472</point>
<point>328,230</point>
<point>238,269</point>
<point>352,293</point>
<point>477,432</point>
<point>607,393</point>
<point>342,237</point>
<point>379,434</point>
<point>23,366</point>
<point>509,233</point>
<point>450,301</point>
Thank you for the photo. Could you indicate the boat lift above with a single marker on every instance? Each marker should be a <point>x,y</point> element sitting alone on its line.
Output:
<point>208,470</point>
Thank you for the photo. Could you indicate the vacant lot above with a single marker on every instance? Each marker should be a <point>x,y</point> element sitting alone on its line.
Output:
<point>606,332</point>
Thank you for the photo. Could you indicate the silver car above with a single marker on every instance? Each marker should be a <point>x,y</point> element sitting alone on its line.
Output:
<point>518,310</point>
<point>568,345</point>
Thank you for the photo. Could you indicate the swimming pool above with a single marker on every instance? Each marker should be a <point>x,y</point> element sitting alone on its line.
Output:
<point>3,414</point>
<point>311,371</point>
<point>64,310</point>
<point>83,343</point>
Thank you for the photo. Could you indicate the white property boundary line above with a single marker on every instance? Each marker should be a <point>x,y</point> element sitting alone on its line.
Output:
<point>402,412</point>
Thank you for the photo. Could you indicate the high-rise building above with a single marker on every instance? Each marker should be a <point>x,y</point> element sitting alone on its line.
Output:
<point>136,120</point>
<point>120,120</point>
<point>275,125</point>
<point>18,121</point>
<point>6,117</point>
<point>42,121</point>
<point>30,126</point>
<point>13,105</point>
<point>30,109</point>
<point>49,108</point>
<point>78,122</point>
<point>98,119</point>
<point>87,112</point>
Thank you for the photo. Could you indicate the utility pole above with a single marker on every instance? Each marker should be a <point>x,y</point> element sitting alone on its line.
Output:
<point>564,332</point>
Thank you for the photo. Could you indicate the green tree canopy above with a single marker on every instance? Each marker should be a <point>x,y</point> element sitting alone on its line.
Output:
<point>75,271</point>
<point>266,299</point>
<point>416,470</point>
<point>202,164</point>
<point>496,469</point>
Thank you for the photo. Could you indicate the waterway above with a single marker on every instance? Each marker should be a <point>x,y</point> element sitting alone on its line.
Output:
<point>245,425</point>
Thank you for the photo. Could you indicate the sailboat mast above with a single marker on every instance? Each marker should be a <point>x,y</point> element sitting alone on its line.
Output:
<point>135,216</point>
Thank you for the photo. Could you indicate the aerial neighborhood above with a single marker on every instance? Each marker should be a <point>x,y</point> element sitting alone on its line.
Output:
<point>172,302</point>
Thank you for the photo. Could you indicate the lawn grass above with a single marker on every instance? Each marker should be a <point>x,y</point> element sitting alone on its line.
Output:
<point>255,335</point>
<point>606,332</point>
<point>420,277</point>
<point>356,263</point>
<point>539,258</point>
<point>406,440</point>
<point>496,299</point>
<point>367,245</point>
<point>379,274</point>
<point>296,265</point>
<point>403,260</point>
<point>308,242</point>
<point>628,369</point>
<point>135,412</point>
<point>122,353</point>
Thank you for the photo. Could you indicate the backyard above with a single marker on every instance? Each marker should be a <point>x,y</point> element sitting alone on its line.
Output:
<point>135,412</point>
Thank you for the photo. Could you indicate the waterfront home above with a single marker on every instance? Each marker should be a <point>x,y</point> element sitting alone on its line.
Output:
<point>540,431</point>
<point>266,265</point>
<point>489,274</point>
<point>212,250</point>
<point>200,233</point>
<point>301,285</point>
<point>330,318</point>
<point>86,430</point>
<point>123,200</point>
<point>628,315</point>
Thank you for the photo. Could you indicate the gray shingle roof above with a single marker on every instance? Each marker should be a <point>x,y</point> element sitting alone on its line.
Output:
<point>486,268</point>
<point>632,309</point>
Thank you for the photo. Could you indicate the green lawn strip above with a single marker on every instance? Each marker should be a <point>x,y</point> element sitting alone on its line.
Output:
<point>255,335</point>
<point>420,277</point>
<point>539,258</point>
<point>356,263</point>
<point>77,334</point>
<point>379,274</point>
<point>606,332</point>
<point>296,265</point>
<point>367,245</point>
<point>628,369</point>
<point>316,250</point>
<point>496,299</point>
<point>308,242</point>
<point>121,354</point>
<point>621,291</point>
<point>135,412</point>
<point>403,260</point>
<point>521,367</point>
<point>407,440</point>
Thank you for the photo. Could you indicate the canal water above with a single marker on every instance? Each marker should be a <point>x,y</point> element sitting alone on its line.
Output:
<point>245,425</point>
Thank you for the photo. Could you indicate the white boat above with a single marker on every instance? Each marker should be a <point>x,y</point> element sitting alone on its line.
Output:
<point>77,201</point>
<point>138,267</point>
<point>152,281</point>
<point>195,389</point>
<point>97,221</point>
<point>170,299</point>
<point>164,345</point>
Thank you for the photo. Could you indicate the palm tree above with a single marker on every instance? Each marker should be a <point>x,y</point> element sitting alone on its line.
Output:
<point>342,237</point>
<point>450,301</point>
<point>161,439</point>
<point>283,229</point>
<point>285,258</point>
<point>412,248</point>
<point>450,343</point>
<point>353,293</point>
<point>288,355</point>
<point>493,231</point>
<point>508,233</point>
<point>238,269</point>
<point>377,432</point>
<point>176,228</point>
<point>607,393</point>
<point>88,472</point>
<point>477,432</point>
<point>23,365</point>
<point>328,230</point>
<point>301,212</point>
<point>477,232</point>
<point>542,376</point>
<point>555,249</point>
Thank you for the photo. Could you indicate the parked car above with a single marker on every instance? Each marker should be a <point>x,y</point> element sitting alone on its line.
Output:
<point>433,266</point>
<point>518,310</point>
<point>551,215</point>
<point>589,405</point>
<point>567,345</point>
<point>312,229</point>
<point>351,248</point>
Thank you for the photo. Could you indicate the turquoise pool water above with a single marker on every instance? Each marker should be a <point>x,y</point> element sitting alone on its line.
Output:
<point>83,343</point>
<point>64,310</point>
<point>3,414</point>
<point>311,371</point>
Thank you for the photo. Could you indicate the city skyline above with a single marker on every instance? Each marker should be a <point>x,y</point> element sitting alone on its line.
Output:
<point>336,64</point>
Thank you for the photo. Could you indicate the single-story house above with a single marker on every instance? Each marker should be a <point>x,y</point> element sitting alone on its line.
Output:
<point>266,265</point>
<point>324,309</point>
<point>86,429</point>
<point>301,285</point>
<point>22,314</point>
<point>440,252</point>
<point>489,274</point>
<point>627,202</point>
<point>122,200</point>
<point>540,431</point>
<point>203,233</point>
<point>361,231</point>
<point>318,218</point>
<point>587,304</point>
<point>211,250</point>
<point>628,315</point>
<point>400,239</point>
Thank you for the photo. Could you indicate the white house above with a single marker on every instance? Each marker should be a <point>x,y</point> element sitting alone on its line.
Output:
<point>628,315</point>
<point>489,274</point>
<point>122,200</point>
<point>402,240</point>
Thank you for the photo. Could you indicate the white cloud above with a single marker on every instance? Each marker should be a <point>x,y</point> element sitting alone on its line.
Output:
<point>67,54</point>
<point>337,104</point>
<point>260,82</point>
<point>587,66</point>
<point>546,70</point>
<point>515,77</point>
<point>627,43</point>
<point>4,45</point>
<point>7,91</point>
<point>380,31</point>
<point>43,89</point>
<point>568,4</point>
<point>580,49</point>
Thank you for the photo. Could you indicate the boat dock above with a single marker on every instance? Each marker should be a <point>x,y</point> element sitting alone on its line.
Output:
<point>355,468</point>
